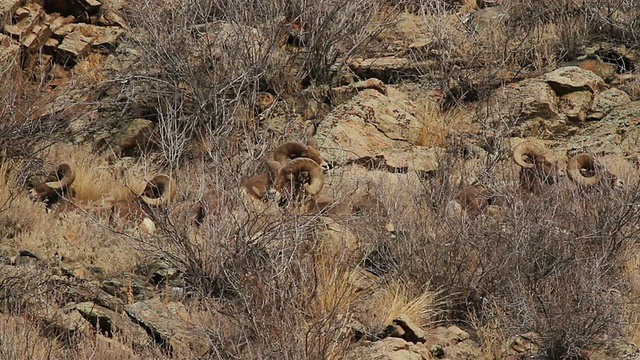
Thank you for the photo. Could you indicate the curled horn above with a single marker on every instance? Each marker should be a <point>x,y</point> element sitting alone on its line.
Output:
<point>284,151</point>
<point>579,162</point>
<point>65,177</point>
<point>165,185</point>
<point>525,149</point>
<point>274,168</point>
<point>293,169</point>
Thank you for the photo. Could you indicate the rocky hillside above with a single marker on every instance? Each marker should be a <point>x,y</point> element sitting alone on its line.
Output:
<point>338,179</point>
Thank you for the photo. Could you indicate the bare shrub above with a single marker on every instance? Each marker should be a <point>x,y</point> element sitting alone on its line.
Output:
<point>288,294</point>
<point>21,339</point>
<point>477,51</point>
<point>202,64</point>
<point>28,124</point>
<point>548,264</point>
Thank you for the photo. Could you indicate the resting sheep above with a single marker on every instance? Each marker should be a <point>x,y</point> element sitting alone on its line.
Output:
<point>296,169</point>
<point>281,171</point>
<point>294,149</point>
<point>538,172</point>
<point>595,175</point>
<point>56,187</point>
<point>475,198</point>
<point>301,177</point>
<point>258,186</point>
<point>158,192</point>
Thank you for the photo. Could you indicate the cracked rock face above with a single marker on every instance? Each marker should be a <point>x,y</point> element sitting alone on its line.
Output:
<point>373,126</point>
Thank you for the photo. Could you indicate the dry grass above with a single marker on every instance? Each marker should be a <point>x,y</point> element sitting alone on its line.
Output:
<point>340,287</point>
<point>290,284</point>
<point>89,69</point>
<point>436,124</point>
<point>394,299</point>
<point>70,232</point>
<point>21,340</point>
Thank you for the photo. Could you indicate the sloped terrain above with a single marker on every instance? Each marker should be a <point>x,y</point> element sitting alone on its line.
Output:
<point>336,179</point>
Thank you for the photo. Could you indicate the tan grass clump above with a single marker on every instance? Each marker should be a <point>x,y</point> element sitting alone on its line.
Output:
<point>21,340</point>
<point>19,214</point>
<point>436,125</point>
<point>395,299</point>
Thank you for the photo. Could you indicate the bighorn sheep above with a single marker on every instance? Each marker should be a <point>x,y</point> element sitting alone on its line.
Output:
<point>594,173</point>
<point>55,187</point>
<point>298,178</point>
<point>475,198</point>
<point>294,149</point>
<point>537,173</point>
<point>258,186</point>
<point>160,191</point>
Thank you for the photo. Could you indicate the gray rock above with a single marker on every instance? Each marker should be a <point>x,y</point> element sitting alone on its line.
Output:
<point>91,291</point>
<point>411,331</point>
<point>453,343</point>
<point>66,324</point>
<point>390,68</point>
<point>531,99</point>
<point>530,106</point>
<point>105,39</point>
<point>605,101</point>
<point>110,323</point>
<point>7,8</point>
<point>134,286</point>
<point>525,345</point>
<point>391,348</point>
<point>373,129</point>
<point>596,65</point>
<point>122,59</point>
<point>178,336</point>
<point>572,78</point>
<point>616,133</point>
<point>575,105</point>
<point>74,47</point>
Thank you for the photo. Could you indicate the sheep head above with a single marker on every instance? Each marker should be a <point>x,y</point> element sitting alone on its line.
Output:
<point>475,198</point>
<point>55,187</point>
<point>538,171</point>
<point>161,190</point>
<point>594,173</point>
<point>294,149</point>
<point>259,186</point>
<point>299,177</point>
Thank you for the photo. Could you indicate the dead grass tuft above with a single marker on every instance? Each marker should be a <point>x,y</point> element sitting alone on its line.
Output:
<point>21,340</point>
<point>394,299</point>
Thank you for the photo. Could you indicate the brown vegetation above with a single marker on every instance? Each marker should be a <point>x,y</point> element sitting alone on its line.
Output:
<point>350,247</point>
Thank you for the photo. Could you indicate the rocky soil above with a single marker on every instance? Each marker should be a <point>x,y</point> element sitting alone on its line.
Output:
<point>381,126</point>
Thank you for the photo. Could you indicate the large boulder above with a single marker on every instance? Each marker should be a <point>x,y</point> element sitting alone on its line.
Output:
<point>166,325</point>
<point>373,128</point>
<point>605,101</point>
<point>572,78</point>
<point>543,107</point>
<point>532,99</point>
<point>616,133</point>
